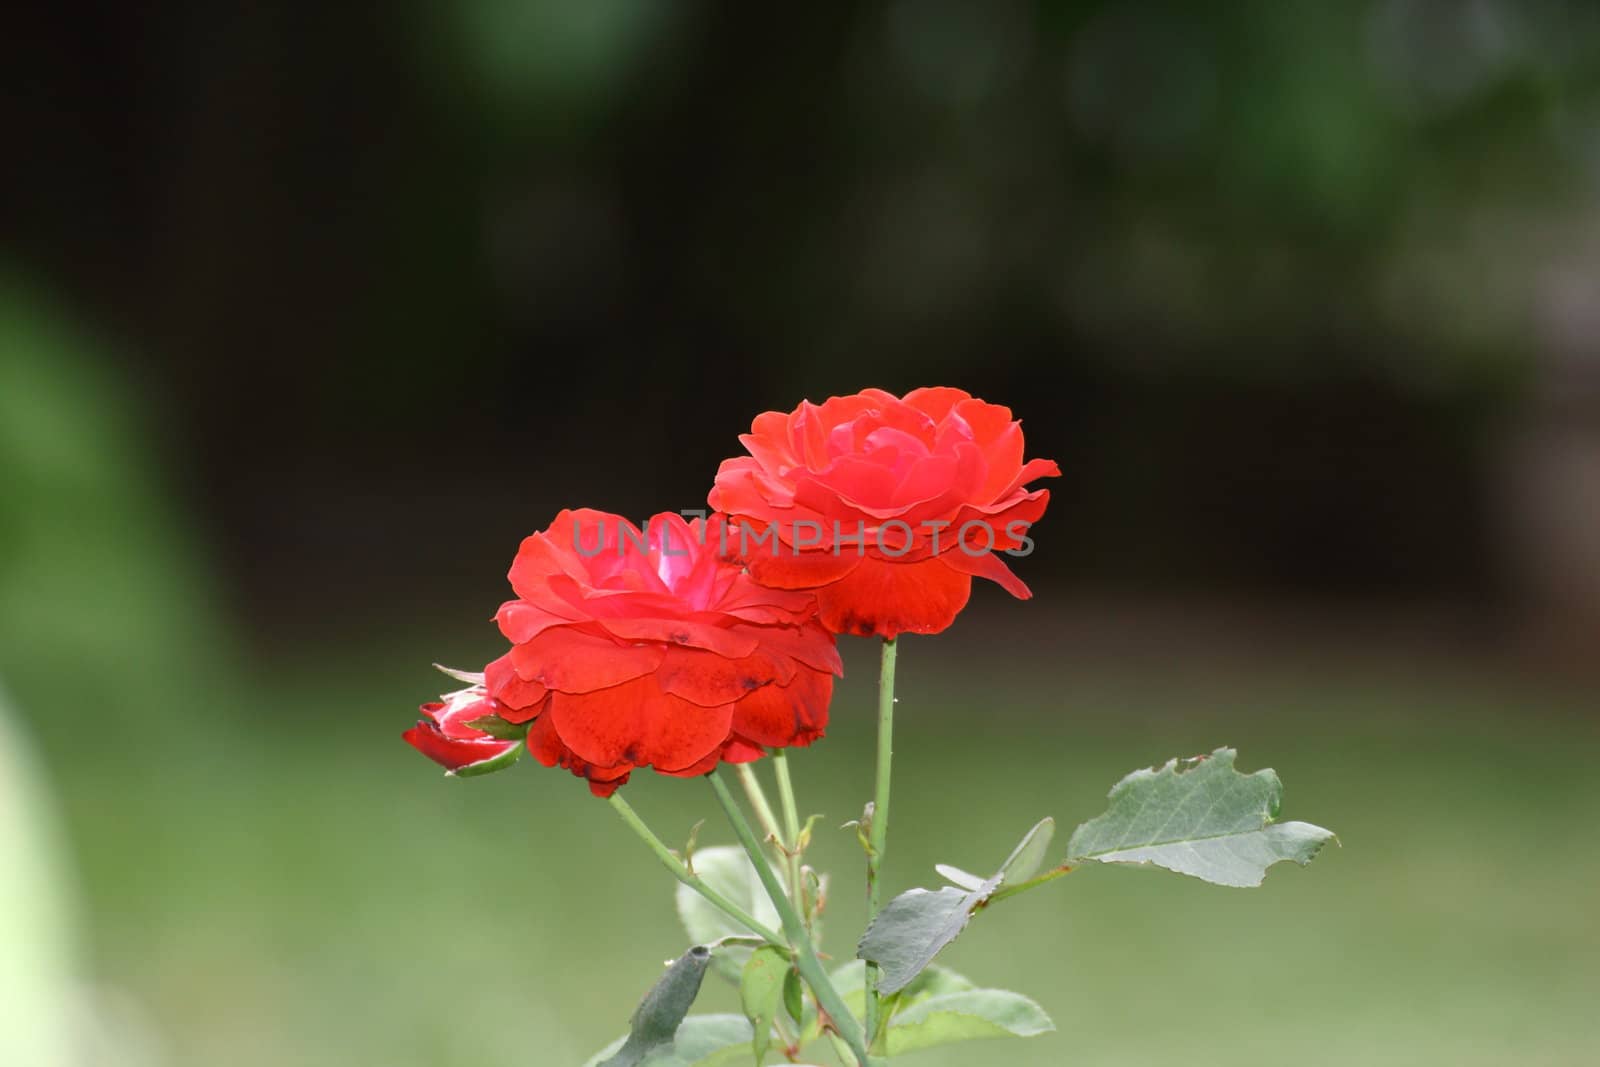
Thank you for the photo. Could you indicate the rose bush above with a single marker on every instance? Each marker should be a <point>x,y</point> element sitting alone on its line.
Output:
<point>683,646</point>
<point>639,648</point>
<point>885,507</point>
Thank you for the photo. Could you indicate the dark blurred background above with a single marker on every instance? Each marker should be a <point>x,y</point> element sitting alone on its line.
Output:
<point>309,313</point>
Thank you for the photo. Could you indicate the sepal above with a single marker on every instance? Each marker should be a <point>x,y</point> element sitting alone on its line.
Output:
<point>488,766</point>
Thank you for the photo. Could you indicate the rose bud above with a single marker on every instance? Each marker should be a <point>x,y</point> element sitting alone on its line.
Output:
<point>464,733</point>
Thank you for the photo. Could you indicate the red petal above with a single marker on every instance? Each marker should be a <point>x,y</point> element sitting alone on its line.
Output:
<point>544,744</point>
<point>731,642</point>
<point>708,679</point>
<point>1034,468</point>
<point>884,599</point>
<point>935,401</point>
<point>925,479</point>
<point>1003,458</point>
<point>809,426</point>
<point>547,748</point>
<point>809,644</point>
<point>753,602</point>
<point>777,715</point>
<point>768,442</point>
<point>738,750</point>
<point>990,566</point>
<point>825,505</point>
<point>452,714</point>
<point>603,789</point>
<point>783,569</point>
<point>862,481</point>
<point>997,519</point>
<point>521,699</point>
<point>566,595</point>
<point>453,753</point>
<point>704,765</point>
<point>521,621</point>
<point>637,723</point>
<point>576,662</point>
<point>771,663</point>
<point>743,488</point>
<point>542,555</point>
<point>965,481</point>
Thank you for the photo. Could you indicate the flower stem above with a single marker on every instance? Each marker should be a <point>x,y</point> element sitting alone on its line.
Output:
<point>878,837</point>
<point>682,873</point>
<point>1022,887</point>
<point>810,966</point>
<point>758,801</point>
<point>791,830</point>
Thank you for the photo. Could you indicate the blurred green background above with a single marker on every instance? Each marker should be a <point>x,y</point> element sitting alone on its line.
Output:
<point>307,315</point>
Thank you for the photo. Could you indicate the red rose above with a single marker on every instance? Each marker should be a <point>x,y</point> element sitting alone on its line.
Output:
<point>444,736</point>
<point>886,507</point>
<point>648,649</point>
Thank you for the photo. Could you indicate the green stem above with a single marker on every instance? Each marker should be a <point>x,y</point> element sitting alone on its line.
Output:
<point>810,966</point>
<point>878,837</point>
<point>1022,887</point>
<point>682,873</point>
<point>791,829</point>
<point>758,801</point>
<point>840,1049</point>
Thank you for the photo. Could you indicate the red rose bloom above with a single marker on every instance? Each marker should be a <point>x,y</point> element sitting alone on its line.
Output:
<point>885,506</point>
<point>648,649</point>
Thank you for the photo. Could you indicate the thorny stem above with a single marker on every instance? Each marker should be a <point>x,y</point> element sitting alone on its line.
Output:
<point>810,966</point>
<point>682,873</point>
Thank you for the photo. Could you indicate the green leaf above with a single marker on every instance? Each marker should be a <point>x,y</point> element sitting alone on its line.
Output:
<point>958,877</point>
<point>794,995</point>
<point>726,869</point>
<point>702,1041</point>
<point>935,981</point>
<point>1026,859</point>
<point>1200,818</point>
<point>803,839</point>
<point>851,982</point>
<point>760,991</point>
<point>655,1021</point>
<point>941,1006</point>
<point>689,845</point>
<point>964,1015</point>
<point>488,766</point>
<point>913,927</point>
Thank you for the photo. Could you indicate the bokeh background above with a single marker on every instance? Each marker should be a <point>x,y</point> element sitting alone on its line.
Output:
<point>308,313</point>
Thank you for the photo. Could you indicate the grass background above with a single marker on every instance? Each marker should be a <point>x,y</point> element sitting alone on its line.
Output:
<point>301,888</point>
<point>259,872</point>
